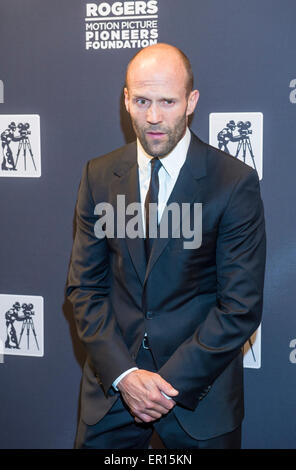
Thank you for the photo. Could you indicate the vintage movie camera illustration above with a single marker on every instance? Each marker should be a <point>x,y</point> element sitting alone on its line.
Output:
<point>14,314</point>
<point>22,325</point>
<point>239,133</point>
<point>16,133</point>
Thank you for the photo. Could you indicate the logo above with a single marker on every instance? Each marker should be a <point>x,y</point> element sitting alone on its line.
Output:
<point>176,219</point>
<point>20,145</point>
<point>252,351</point>
<point>1,92</point>
<point>240,135</point>
<point>292,356</point>
<point>21,325</point>
<point>293,92</point>
<point>121,25</point>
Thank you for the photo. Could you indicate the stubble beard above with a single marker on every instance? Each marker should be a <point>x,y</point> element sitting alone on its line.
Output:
<point>161,149</point>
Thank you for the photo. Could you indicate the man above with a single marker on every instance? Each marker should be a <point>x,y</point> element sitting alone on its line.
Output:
<point>11,316</point>
<point>226,135</point>
<point>163,325</point>
<point>7,137</point>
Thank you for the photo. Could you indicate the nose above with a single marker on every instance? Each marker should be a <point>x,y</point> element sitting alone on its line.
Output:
<point>154,114</point>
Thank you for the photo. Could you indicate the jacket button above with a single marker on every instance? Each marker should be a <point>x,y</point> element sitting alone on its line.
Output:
<point>149,315</point>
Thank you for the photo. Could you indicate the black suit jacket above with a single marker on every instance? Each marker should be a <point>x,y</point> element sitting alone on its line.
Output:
<point>198,306</point>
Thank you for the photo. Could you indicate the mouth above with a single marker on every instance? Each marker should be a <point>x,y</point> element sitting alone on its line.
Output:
<point>155,135</point>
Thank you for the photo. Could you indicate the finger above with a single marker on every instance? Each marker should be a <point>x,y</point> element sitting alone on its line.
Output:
<point>152,413</point>
<point>165,387</point>
<point>162,385</point>
<point>146,418</point>
<point>138,420</point>
<point>145,411</point>
<point>152,409</point>
<point>159,402</point>
<point>159,408</point>
<point>167,403</point>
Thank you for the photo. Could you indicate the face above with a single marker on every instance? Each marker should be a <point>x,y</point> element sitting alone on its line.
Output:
<point>157,102</point>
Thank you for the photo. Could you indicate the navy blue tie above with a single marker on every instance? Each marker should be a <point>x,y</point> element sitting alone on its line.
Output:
<point>151,211</point>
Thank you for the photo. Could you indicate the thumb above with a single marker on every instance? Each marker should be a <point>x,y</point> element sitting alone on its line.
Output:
<point>167,388</point>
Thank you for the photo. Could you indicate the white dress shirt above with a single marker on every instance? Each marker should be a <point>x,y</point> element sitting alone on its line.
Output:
<point>167,175</point>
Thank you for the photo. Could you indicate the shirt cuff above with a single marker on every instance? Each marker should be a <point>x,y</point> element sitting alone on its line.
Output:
<point>114,385</point>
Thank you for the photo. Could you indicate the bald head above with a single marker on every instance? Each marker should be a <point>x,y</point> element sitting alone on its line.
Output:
<point>164,56</point>
<point>159,97</point>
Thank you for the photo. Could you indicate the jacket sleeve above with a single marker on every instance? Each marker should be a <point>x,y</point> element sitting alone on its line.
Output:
<point>240,264</point>
<point>88,287</point>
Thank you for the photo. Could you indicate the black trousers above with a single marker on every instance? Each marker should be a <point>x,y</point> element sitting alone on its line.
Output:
<point>118,430</point>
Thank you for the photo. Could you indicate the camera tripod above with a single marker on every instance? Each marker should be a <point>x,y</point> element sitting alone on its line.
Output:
<point>25,144</point>
<point>29,324</point>
<point>245,142</point>
<point>251,347</point>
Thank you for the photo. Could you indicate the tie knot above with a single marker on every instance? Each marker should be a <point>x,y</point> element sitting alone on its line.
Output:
<point>155,165</point>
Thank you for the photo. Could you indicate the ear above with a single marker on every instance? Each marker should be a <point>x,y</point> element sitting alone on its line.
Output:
<point>126,99</point>
<point>192,102</point>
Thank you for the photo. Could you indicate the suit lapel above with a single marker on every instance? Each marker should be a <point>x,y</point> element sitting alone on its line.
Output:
<point>127,184</point>
<point>186,190</point>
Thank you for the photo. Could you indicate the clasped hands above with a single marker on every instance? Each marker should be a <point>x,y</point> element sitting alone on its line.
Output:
<point>141,391</point>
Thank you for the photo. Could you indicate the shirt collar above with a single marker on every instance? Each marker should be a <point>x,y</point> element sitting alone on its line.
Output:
<point>172,162</point>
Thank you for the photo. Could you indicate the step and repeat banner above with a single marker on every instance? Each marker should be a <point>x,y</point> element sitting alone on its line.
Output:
<point>62,71</point>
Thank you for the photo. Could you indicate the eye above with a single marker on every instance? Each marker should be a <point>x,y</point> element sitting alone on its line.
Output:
<point>168,102</point>
<point>142,102</point>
